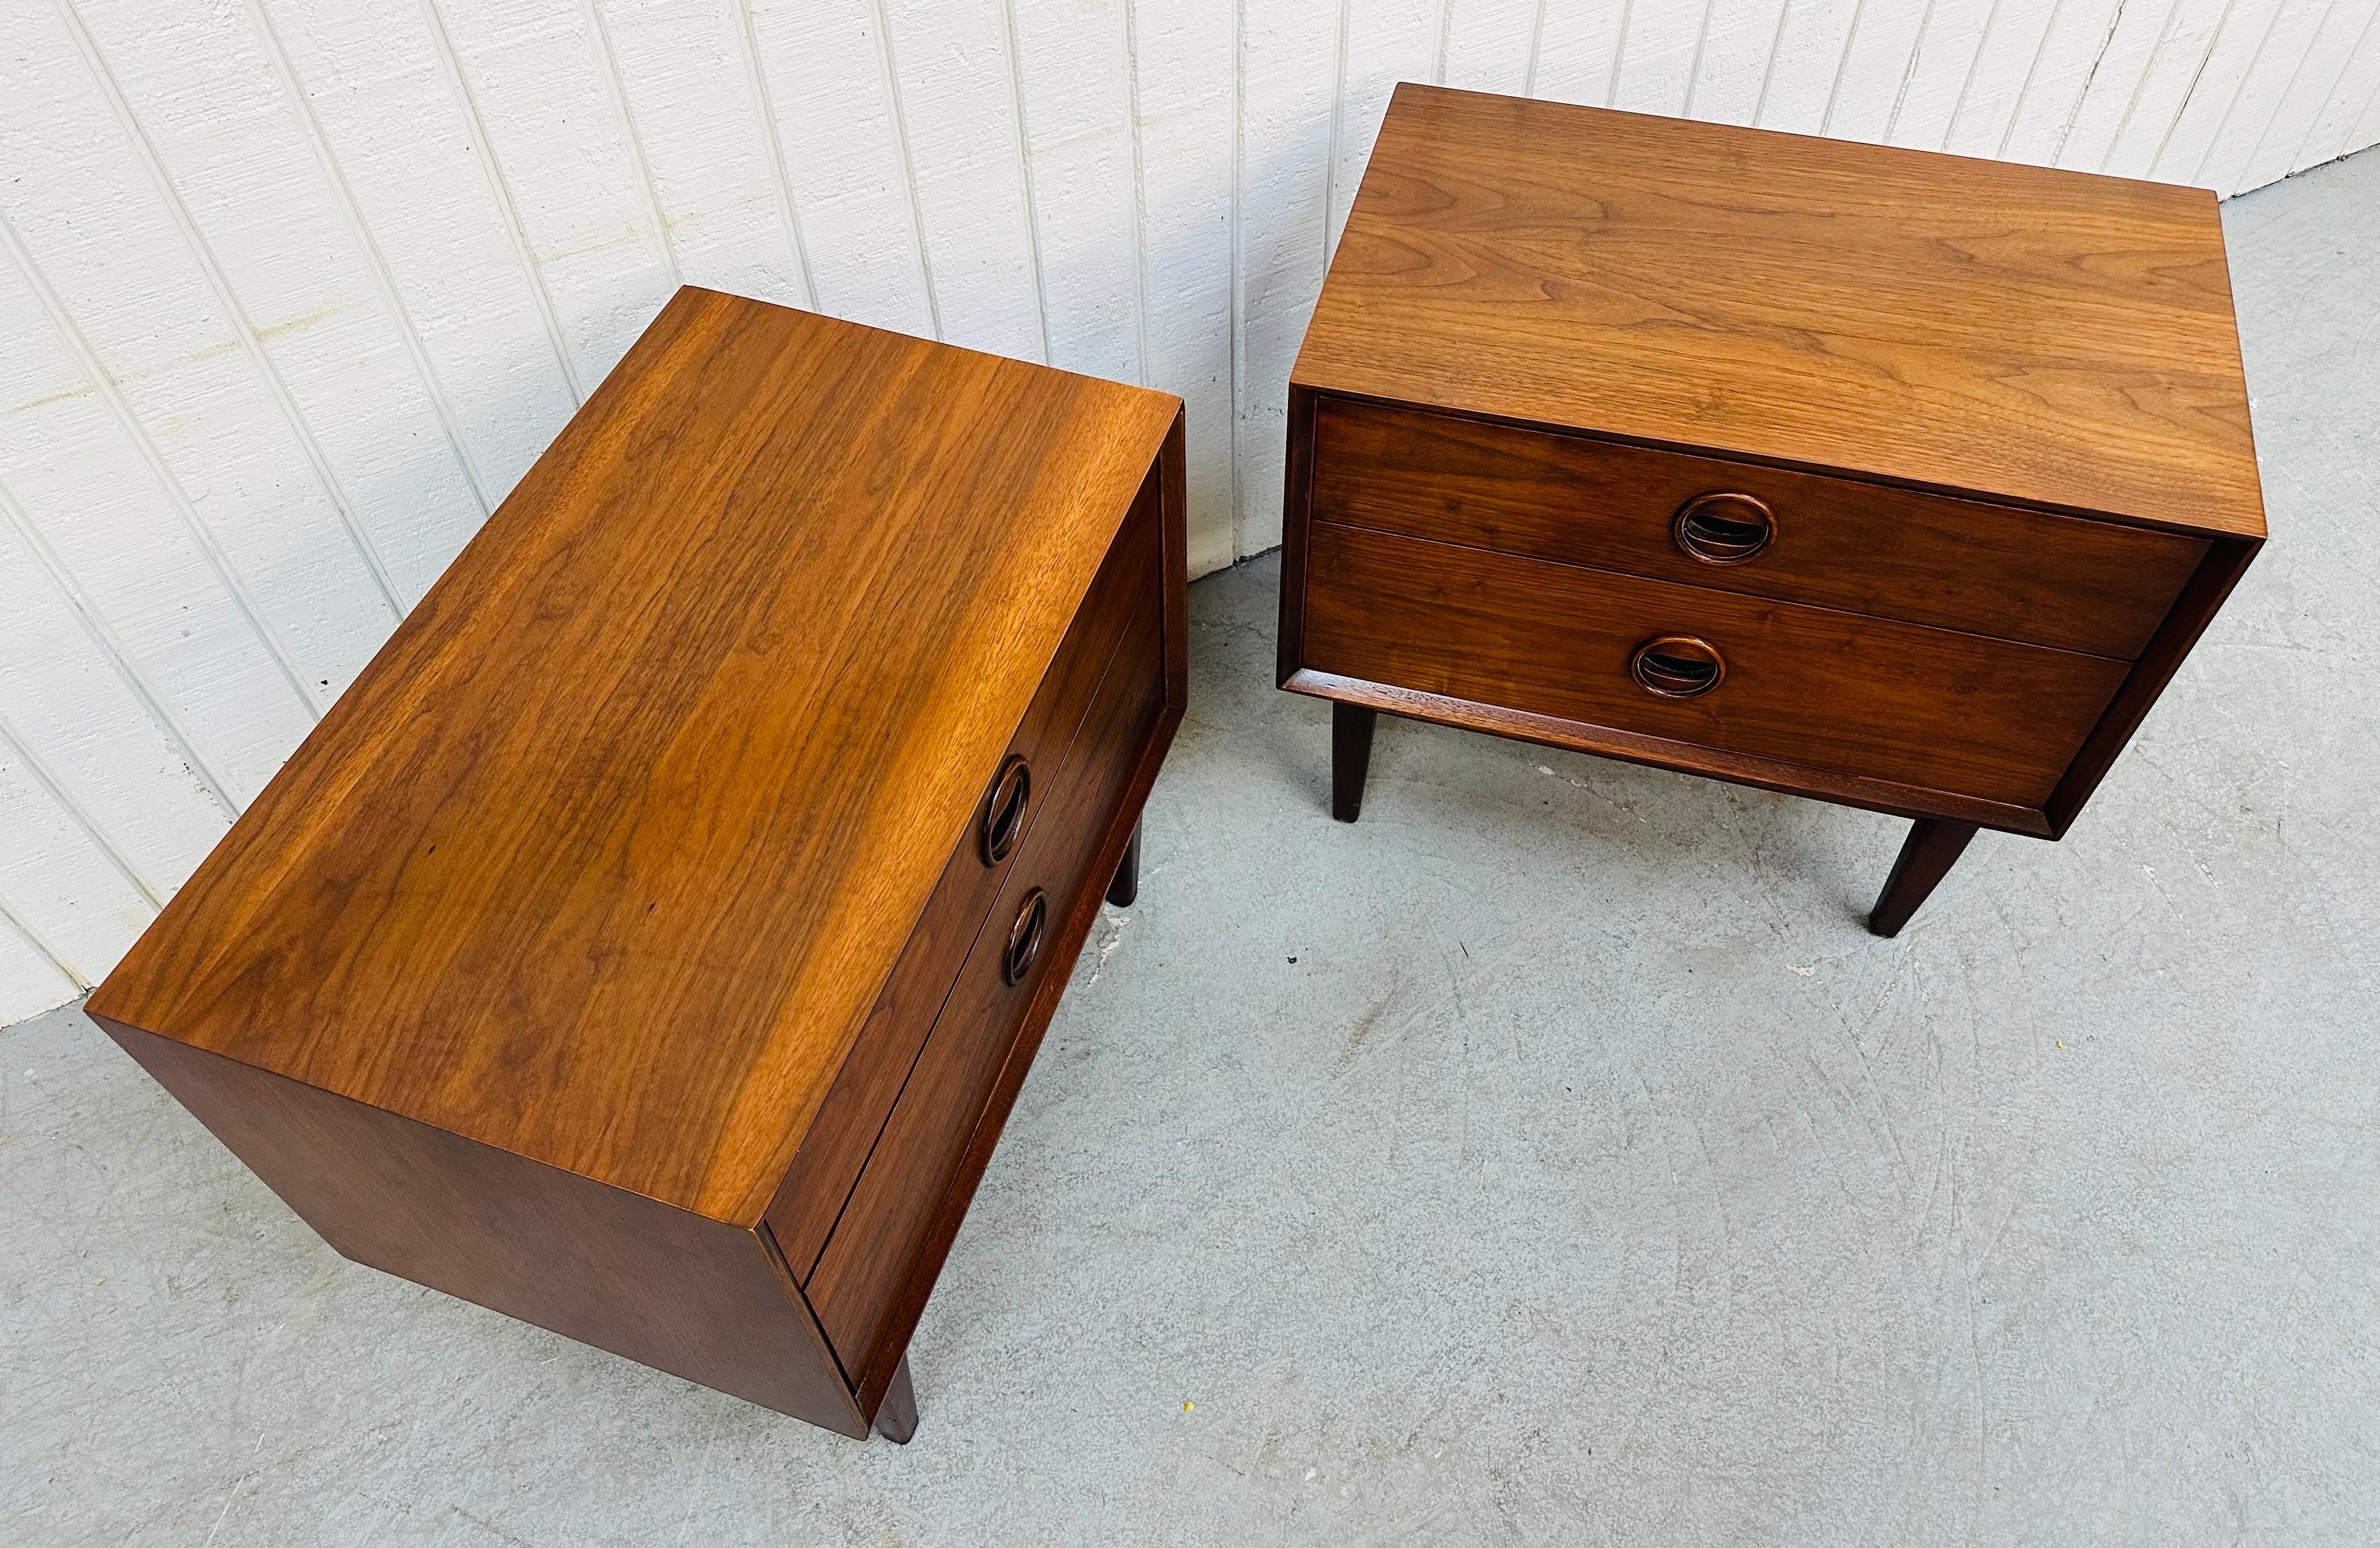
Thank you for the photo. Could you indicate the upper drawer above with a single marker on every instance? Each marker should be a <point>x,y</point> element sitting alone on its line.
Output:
<point>1953,563</point>
<point>814,1187</point>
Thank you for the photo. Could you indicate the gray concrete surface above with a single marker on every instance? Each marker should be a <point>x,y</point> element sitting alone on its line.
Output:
<point>1549,1158</point>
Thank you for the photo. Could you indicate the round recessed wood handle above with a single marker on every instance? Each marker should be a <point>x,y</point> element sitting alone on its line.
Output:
<point>1024,938</point>
<point>1724,527</point>
<point>1677,666</point>
<point>1002,822</point>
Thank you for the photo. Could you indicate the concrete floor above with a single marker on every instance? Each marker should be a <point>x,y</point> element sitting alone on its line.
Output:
<point>1550,1157</point>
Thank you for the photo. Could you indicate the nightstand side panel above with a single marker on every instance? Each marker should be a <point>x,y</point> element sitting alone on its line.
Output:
<point>695,1297</point>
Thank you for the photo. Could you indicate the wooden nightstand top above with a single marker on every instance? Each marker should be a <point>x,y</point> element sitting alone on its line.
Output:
<point>2046,337</point>
<point>603,858</point>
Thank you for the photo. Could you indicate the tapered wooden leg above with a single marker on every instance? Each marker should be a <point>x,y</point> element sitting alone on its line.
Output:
<point>1351,758</point>
<point>1125,885</point>
<point>1933,847</point>
<point>896,1418</point>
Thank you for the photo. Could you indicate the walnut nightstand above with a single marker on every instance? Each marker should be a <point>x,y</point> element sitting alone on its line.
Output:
<point>1891,478</point>
<point>651,943</point>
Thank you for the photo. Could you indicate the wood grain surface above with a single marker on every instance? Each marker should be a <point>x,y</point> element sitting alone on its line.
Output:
<point>603,859</point>
<point>1869,547</point>
<point>1988,718</point>
<point>2015,333</point>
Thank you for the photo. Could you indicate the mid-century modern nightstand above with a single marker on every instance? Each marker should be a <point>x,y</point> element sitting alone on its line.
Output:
<point>1896,480</point>
<point>651,943</point>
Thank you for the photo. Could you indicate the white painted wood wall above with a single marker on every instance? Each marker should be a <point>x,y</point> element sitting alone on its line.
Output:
<point>294,290</point>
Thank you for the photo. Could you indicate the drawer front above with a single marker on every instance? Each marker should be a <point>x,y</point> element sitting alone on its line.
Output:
<point>837,1142</point>
<point>1958,564</point>
<point>1957,713</point>
<point>879,1247</point>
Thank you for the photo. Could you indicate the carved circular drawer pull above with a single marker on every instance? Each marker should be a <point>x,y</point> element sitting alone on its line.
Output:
<point>1024,938</point>
<point>1724,528</point>
<point>1003,820</point>
<point>1677,666</point>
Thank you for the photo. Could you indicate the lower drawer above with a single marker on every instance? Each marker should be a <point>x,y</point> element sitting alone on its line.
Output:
<point>885,1250</point>
<point>1988,718</point>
